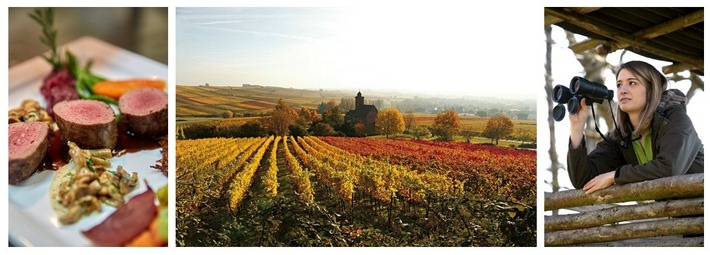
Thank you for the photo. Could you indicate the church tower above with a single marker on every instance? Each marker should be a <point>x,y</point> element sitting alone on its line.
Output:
<point>359,100</point>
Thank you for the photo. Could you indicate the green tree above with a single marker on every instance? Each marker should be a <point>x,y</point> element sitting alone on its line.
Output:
<point>525,136</point>
<point>321,108</point>
<point>420,132</point>
<point>497,128</point>
<point>389,122</point>
<point>298,128</point>
<point>227,114</point>
<point>322,129</point>
<point>468,133</point>
<point>446,125</point>
<point>332,115</point>
<point>482,113</point>
<point>252,129</point>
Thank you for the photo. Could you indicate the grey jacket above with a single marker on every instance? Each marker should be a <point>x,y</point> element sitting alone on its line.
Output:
<point>677,149</point>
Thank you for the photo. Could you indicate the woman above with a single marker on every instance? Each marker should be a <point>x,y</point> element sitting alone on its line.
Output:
<point>655,136</point>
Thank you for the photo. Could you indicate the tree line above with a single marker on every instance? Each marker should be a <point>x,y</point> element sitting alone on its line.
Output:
<point>329,120</point>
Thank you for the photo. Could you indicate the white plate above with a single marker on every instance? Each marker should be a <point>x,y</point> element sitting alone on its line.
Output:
<point>32,222</point>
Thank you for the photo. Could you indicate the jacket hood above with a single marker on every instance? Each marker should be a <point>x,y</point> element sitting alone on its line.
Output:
<point>670,99</point>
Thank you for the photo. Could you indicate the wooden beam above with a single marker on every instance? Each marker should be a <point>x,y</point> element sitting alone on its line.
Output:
<point>620,36</point>
<point>671,227</point>
<point>647,33</point>
<point>668,187</point>
<point>549,20</point>
<point>677,68</point>
<point>672,208</point>
<point>665,28</point>
<point>585,45</point>
<point>675,241</point>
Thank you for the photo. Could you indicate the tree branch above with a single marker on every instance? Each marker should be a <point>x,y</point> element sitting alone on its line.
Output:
<point>555,164</point>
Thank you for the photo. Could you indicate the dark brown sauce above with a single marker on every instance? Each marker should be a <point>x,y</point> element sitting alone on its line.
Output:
<point>58,151</point>
<point>131,142</point>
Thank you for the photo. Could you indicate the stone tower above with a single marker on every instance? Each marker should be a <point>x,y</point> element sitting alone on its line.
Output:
<point>359,100</point>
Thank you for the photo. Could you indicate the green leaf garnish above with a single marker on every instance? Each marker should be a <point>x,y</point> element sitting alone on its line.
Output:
<point>90,164</point>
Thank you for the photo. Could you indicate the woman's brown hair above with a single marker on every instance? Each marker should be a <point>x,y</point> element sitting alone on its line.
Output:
<point>655,84</point>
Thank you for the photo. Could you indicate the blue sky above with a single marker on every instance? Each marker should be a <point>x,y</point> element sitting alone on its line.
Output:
<point>439,51</point>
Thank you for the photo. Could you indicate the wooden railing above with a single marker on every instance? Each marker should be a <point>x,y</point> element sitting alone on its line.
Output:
<point>670,219</point>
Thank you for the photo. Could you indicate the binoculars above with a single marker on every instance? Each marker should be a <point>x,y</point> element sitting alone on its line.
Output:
<point>578,88</point>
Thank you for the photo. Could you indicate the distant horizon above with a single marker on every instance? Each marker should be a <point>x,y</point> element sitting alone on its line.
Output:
<point>428,50</point>
<point>375,90</point>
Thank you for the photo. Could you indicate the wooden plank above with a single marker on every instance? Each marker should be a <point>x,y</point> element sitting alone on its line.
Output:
<point>671,227</point>
<point>672,208</point>
<point>669,187</point>
<point>585,45</point>
<point>550,20</point>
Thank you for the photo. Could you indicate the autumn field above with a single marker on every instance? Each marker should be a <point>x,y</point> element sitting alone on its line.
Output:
<point>337,191</point>
<point>473,122</point>
<point>211,101</point>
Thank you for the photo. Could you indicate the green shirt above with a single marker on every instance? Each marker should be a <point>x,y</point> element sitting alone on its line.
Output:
<point>643,149</point>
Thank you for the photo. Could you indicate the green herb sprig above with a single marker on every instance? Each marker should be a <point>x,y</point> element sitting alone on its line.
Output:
<point>45,18</point>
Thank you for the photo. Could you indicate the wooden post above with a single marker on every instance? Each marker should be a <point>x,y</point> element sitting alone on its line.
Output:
<point>672,208</point>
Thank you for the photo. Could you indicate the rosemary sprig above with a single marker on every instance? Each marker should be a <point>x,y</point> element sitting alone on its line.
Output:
<point>45,18</point>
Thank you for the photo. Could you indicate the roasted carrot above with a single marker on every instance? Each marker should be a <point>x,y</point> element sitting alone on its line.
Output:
<point>144,239</point>
<point>116,88</point>
<point>149,237</point>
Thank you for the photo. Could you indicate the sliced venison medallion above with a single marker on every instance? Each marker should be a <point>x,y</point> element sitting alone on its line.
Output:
<point>88,123</point>
<point>28,142</point>
<point>145,110</point>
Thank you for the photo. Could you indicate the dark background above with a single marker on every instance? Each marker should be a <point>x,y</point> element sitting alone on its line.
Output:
<point>140,30</point>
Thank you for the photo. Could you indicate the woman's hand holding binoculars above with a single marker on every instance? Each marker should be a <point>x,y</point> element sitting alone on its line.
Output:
<point>577,122</point>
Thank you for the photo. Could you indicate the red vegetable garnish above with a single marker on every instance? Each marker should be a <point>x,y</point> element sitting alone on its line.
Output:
<point>57,87</point>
